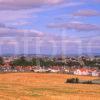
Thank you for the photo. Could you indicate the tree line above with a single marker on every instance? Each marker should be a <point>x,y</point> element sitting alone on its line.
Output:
<point>47,62</point>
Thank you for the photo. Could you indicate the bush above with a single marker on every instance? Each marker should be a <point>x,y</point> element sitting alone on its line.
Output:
<point>72,80</point>
<point>76,80</point>
<point>87,82</point>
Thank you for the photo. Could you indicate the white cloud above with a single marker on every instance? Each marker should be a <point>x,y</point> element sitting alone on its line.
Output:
<point>6,32</point>
<point>26,4</point>
<point>78,26</point>
<point>87,13</point>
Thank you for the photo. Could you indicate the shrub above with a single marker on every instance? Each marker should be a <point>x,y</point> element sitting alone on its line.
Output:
<point>77,80</point>
<point>87,82</point>
<point>72,80</point>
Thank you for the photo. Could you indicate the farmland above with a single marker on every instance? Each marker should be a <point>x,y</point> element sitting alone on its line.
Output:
<point>39,86</point>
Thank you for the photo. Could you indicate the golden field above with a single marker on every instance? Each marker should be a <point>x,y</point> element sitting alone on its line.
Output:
<point>38,86</point>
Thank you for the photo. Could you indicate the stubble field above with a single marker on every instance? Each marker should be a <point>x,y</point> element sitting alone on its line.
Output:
<point>38,86</point>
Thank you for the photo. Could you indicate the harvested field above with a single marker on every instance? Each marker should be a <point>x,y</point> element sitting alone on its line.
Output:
<point>38,86</point>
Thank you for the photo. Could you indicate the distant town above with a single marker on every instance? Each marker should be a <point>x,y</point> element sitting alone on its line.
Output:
<point>78,65</point>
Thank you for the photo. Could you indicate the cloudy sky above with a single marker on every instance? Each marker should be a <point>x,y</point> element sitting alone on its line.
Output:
<point>49,26</point>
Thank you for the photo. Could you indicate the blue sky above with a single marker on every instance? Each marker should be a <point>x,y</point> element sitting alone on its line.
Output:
<point>50,27</point>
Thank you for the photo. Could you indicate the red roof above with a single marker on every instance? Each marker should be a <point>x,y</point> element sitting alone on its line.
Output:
<point>83,69</point>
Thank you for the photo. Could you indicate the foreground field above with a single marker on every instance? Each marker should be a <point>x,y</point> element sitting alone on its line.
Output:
<point>35,86</point>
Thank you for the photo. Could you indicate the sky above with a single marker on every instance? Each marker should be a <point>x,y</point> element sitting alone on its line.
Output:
<point>50,27</point>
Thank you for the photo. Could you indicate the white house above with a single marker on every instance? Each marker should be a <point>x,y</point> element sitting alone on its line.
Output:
<point>54,70</point>
<point>81,71</point>
<point>41,70</point>
<point>67,71</point>
<point>95,73</point>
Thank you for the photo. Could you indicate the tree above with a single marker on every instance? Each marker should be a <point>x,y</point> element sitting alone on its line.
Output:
<point>34,61</point>
<point>21,62</point>
<point>90,63</point>
<point>1,61</point>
